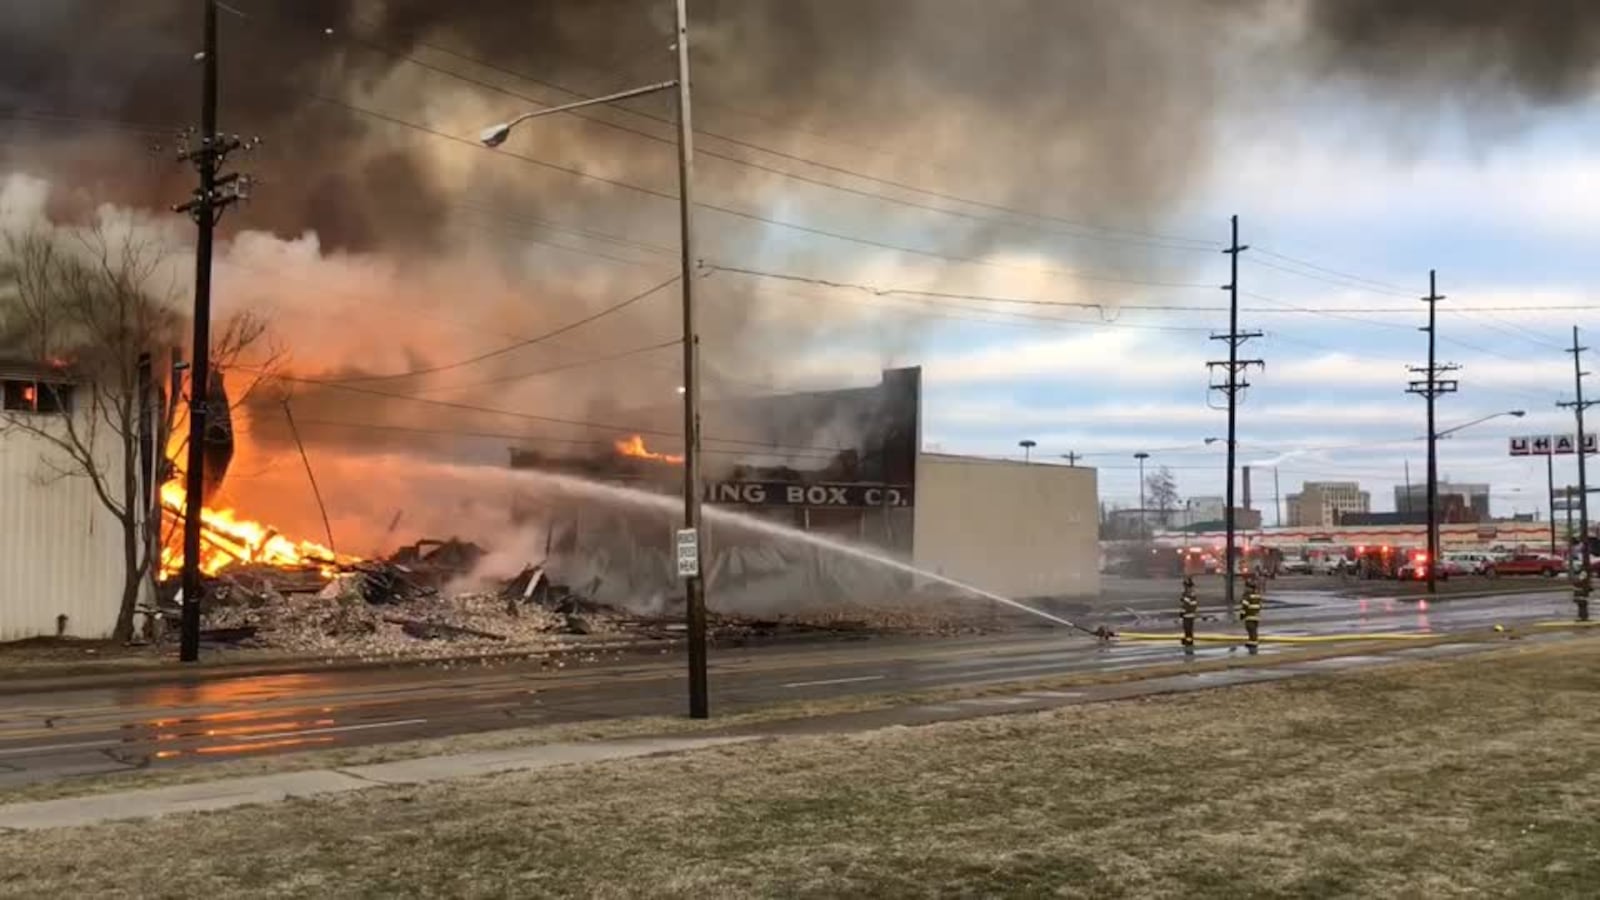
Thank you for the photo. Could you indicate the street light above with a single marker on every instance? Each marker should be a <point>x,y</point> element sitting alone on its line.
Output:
<point>1027,446</point>
<point>1514,413</point>
<point>1433,487</point>
<point>689,563</point>
<point>1141,456</point>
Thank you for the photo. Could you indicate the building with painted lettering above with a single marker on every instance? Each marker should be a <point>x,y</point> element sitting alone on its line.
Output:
<point>842,465</point>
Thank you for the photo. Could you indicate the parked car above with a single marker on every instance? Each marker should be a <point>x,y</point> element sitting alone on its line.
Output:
<point>1295,565</point>
<point>1470,562</point>
<point>1417,570</point>
<point>1526,564</point>
<point>1334,565</point>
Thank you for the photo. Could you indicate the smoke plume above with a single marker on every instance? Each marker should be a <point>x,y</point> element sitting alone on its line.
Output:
<point>379,246</point>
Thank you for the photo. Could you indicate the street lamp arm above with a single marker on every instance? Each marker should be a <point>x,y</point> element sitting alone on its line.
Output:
<point>495,135</point>
<point>1510,412</point>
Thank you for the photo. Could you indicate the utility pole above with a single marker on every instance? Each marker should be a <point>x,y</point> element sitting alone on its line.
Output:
<point>1234,385</point>
<point>1550,482</point>
<point>214,195</point>
<point>1141,456</point>
<point>1277,500</point>
<point>1431,387</point>
<point>694,585</point>
<point>1072,459</point>
<point>1580,591</point>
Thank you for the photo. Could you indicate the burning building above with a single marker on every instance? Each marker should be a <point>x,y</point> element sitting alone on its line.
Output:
<point>841,465</point>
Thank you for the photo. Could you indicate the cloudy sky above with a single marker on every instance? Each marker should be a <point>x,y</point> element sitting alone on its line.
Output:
<point>1506,227</point>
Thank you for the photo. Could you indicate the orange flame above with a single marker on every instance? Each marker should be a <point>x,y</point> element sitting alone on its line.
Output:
<point>227,539</point>
<point>634,446</point>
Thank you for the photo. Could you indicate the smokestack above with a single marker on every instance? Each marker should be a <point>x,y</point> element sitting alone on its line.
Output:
<point>1245,478</point>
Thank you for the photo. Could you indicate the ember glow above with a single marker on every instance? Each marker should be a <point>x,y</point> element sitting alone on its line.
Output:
<point>634,446</point>
<point>226,539</point>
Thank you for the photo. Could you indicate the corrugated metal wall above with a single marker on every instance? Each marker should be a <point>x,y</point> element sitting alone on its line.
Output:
<point>1015,529</point>
<point>60,548</point>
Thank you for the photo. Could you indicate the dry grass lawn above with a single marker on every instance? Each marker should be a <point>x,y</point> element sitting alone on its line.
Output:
<point>1478,776</point>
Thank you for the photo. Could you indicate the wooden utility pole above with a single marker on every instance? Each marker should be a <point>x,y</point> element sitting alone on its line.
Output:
<point>1580,590</point>
<point>1232,387</point>
<point>1430,388</point>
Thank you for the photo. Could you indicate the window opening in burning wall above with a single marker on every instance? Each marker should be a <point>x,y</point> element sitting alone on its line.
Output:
<point>26,395</point>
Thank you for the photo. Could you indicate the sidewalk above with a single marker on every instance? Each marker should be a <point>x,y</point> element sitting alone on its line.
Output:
<point>266,789</point>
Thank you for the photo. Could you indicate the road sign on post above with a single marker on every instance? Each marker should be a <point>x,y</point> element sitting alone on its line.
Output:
<point>688,553</point>
<point>1521,446</point>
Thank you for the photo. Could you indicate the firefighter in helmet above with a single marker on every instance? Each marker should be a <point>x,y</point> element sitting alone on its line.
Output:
<point>1250,612</point>
<point>1188,611</point>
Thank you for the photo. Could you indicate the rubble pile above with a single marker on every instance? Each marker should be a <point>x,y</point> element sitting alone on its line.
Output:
<point>416,603</point>
<point>404,605</point>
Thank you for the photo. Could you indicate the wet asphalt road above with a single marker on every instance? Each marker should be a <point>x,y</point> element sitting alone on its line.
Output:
<point>76,732</point>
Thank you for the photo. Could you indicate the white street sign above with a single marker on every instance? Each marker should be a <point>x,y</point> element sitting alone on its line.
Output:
<point>688,553</point>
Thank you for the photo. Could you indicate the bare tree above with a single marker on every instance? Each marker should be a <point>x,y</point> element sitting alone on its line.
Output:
<point>1163,490</point>
<point>92,312</point>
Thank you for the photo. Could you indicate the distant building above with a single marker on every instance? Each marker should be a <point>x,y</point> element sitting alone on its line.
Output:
<point>1243,520</point>
<point>1203,509</point>
<point>1457,502</point>
<point>1321,504</point>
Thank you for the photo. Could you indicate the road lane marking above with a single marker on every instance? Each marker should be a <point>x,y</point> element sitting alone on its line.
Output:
<point>339,728</point>
<point>800,684</point>
<point>47,748</point>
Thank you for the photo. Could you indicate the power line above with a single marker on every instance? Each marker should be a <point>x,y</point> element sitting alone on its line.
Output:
<point>57,118</point>
<point>523,376</point>
<point>1099,233</point>
<point>547,439</point>
<point>934,298</point>
<point>1370,283</point>
<point>741,214</point>
<point>485,410</point>
<point>509,348</point>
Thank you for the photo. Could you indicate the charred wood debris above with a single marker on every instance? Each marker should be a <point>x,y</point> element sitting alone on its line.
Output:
<point>407,603</point>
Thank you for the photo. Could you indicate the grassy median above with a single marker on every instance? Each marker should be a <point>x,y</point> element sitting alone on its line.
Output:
<point>1475,776</point>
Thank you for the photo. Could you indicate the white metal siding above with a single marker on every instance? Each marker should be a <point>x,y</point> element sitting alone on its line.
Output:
<point>1016,529</point>
<point>60,548</point>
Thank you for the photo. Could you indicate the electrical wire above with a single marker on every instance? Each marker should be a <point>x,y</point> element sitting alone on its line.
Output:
<point>1097,233</point>
<point>510,348</point>
<point>536,438</point>
<point>533,417</point>
<point>1400,290</point>
<point>524,376</point>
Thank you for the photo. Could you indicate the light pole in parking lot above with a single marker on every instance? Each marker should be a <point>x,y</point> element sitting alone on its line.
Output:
<point>1141,456</point>
<point>1433,486</point>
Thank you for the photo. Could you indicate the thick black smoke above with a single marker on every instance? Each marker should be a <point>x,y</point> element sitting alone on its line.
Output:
<point>1543,51</point>
<point>1099,109</point>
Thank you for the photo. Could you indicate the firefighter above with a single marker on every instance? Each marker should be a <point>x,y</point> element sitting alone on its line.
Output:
<point>1250,612</point>
<point>1188,611</point>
